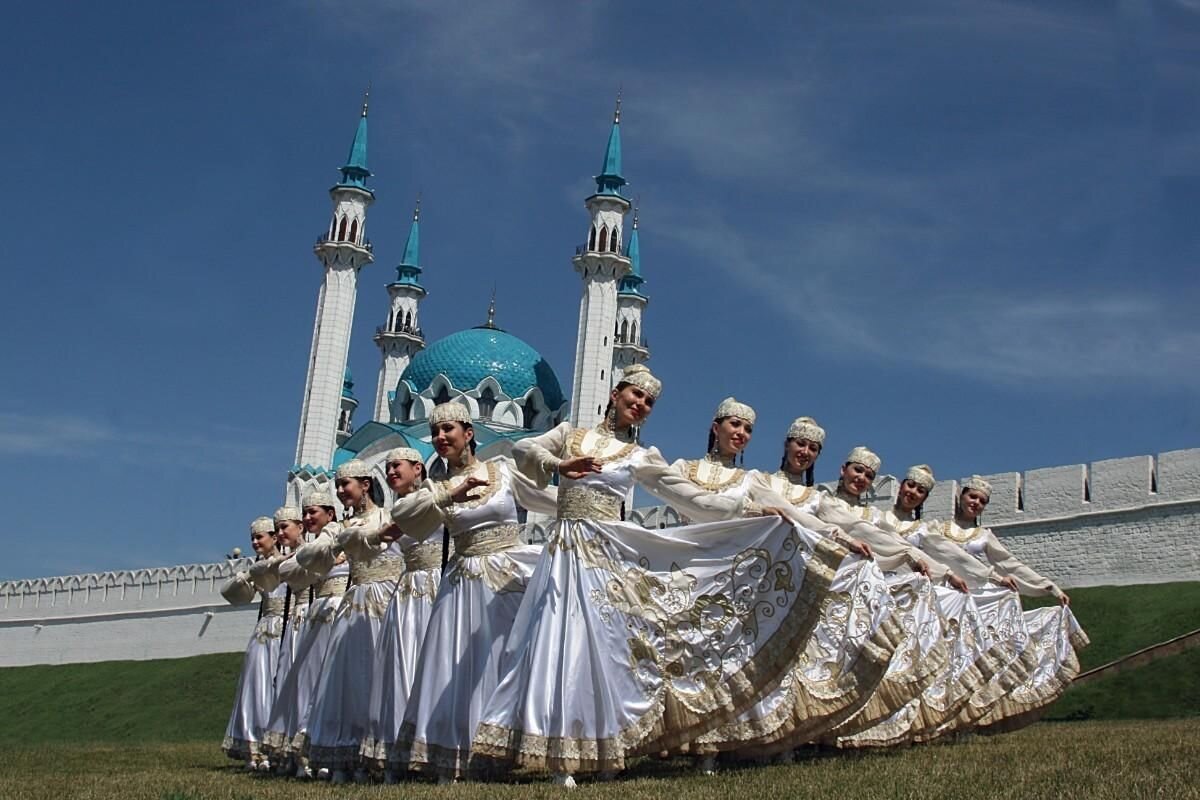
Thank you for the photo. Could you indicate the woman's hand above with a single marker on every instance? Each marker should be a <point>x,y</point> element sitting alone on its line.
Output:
<point>860,547</point>
<point>774,511</point>
<point>1064,599</point>
<point>578,467</point>
<point>1008,583</point>
<point>957,583</point>
<point>391,533</point>
<point>922,566</point>
<point>463,493</point>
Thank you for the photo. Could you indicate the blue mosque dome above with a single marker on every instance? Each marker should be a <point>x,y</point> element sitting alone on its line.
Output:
<point>469,356</point>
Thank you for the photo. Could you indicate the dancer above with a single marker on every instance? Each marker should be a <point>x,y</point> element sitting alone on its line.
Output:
<point>1047,662</point>
<point>630,640</point>
<point>479,595</point>
<point>973,659</point>
<point>338,718</point>
<point>853,642</point>
<point>404,622</point>
<point>255,687</point>
<point>288,728</point>
<point>289,536</point>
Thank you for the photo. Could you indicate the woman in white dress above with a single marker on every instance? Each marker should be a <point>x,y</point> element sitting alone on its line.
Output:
<point>459,663</point>
<point>404,621</point>
<point>337,721</point>
<point>853,643</point>
<point>922,654</point>
<point>288,728</point>
<point>973,658</point>
<point>630,640</point>
<point>1045,639</point>
<point>255,687</point>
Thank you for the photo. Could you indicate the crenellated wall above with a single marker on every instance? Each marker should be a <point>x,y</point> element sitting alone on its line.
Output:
<point>1120,521</point>
<point>167,612</point>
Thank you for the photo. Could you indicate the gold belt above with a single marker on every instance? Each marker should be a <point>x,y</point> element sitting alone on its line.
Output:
<point>427,555</point>
<point>487,541</point>
<point>331,587</point>
<point>579,502</point>
<point>272,606</point>
<point>387,568</point>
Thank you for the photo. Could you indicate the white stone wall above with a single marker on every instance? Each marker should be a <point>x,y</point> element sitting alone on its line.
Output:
<point>594,349</point>
<point>135,614</point>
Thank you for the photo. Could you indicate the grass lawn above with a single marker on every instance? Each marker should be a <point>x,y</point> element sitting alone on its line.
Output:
<point>1094,760</point>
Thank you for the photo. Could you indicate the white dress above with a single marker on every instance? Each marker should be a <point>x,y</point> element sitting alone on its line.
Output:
<point>972,658</point>
<point>255,692</point>
<point>474,611</point>
<point>399,644</point>
<point>849,650</point>
<point>337,722</point>
<point>631,640</point>
<point>288,729</point>
<point>1042,641</point>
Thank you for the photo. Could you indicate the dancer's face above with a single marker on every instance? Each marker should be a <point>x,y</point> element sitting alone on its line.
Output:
<point>450,439</point>
<point>800,454</point>
<point>911,495</point>
<point>733,434</point>
<point>857,478</point>
<point>262,542</point>
<point>351,491</point>
<point>403,476</point>
<point>632,404</point>
<point>288,533</point>
<point>972,502</point>
<point>316,518</point>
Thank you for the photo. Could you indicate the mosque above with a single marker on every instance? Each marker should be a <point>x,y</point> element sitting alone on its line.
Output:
<point>509,389</point>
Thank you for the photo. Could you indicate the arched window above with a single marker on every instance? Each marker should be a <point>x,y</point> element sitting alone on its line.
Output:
<point>442,396</point>
<point>592,238</point>
<point>341,235</point>
<point>603,239</point>
<point>408,319</point>
<point>528,415</point>
<point>633,334</point>
<point>403,408</point>
<point>487,402</point>
<point>614,244</point>
<point>624,337</point>
<point>353,232</point>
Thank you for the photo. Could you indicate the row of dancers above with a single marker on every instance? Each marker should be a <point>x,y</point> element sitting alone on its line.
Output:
<point>779,615</point>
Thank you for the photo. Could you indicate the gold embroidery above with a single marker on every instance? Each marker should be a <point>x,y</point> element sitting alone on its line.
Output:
<point>385,568</point>
<point>580,502</point>
<point>334,586</point>
<point>272,606</point>
<point>714,484</point>
<point>427,555</point>
<point>575,448</point>
<point>495,539</point>
<point>482,493</point>
<point>952,532</point>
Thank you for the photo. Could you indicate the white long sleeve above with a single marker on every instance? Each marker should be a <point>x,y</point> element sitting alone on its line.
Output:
<point>656,476</point>
<point>538,457</point>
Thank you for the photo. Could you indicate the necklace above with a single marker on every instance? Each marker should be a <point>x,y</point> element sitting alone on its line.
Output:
<point>603,440</point>
<point>485,492</point>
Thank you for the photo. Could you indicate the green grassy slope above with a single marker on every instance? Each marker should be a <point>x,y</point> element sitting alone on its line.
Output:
<point>189,698</point>
<point>119,701</point>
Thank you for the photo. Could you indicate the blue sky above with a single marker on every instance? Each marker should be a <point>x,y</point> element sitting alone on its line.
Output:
<point>961,232</point>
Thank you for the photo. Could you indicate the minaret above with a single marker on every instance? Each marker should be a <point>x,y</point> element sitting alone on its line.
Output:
<point>401,338</point>
<point>346,406</point>
<point>630,344</point>
<point>342,250</point>
<point>601,263</point>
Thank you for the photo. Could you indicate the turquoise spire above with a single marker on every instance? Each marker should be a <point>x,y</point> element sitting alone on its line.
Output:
<point>609,181</point>
<point>355,172</point>
<point>348,384</point>
<point>632,282</point>
<point>409,271</point>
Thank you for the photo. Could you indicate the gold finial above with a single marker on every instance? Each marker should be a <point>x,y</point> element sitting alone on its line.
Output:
<point>417,209</point>
<point>617,113</point>
<point>366,97</point>
<point>637,202</point>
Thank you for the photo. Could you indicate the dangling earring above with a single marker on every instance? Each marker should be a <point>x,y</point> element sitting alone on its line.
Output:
<point>610,417</point>
<point>465,458</point>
